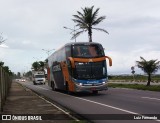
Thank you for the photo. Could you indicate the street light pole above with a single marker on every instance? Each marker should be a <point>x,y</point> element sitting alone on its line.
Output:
<point>73,30</point>
<point>48,51</point>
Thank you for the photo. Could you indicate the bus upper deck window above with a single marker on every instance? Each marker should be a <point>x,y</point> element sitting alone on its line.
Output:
<point>93,51</point>
<point>87,51</point>
<point>76,51</point>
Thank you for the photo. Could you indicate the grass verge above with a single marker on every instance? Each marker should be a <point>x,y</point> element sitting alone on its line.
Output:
<point>136,86</point>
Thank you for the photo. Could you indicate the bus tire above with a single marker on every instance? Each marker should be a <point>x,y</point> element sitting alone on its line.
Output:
<point>95,92</point>
<point>67,88</point>
<point>53,86</point>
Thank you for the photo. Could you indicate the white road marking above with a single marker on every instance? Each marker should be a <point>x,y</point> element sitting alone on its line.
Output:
<point>95,102</point>
<point>151,98</point>
<point>67,113</point>
<point>120,109</point>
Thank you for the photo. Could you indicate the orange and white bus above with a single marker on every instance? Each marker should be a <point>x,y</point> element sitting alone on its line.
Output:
<point>78,67</point>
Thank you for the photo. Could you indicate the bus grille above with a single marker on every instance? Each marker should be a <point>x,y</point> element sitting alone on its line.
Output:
<point>91,70</point>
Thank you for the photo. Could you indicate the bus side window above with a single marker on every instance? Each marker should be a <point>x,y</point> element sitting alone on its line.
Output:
<point>68,54</point>
<point>78,51</point>
<point>68,51</point>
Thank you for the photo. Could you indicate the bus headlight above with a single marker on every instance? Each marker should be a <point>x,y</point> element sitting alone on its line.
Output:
<point>80,84</point>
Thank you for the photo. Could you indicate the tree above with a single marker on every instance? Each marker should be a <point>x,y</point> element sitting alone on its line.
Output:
<point>18,75</point>
<point>1,64</point>
<point>6,68</point>
<point>149,67</point>
<point>2,40</point>
<point>28,74</point>
<point>36,66</point>
<point>86,20</point>
<point>41,64</point>
<point>133,72</point>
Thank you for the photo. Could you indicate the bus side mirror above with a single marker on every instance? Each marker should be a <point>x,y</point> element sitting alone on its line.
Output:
<point>110,60</point>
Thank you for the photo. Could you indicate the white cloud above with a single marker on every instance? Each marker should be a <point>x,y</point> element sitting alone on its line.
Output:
<point>4,46</point>
<point>123,61</point>
<point>31,26</point>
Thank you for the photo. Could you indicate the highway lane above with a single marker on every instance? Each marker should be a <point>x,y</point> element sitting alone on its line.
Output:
<point>113,101</point>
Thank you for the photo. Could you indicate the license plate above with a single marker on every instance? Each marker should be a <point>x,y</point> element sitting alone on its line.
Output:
<point>93,89</point>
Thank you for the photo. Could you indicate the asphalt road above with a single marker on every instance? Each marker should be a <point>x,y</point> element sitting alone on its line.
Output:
<point>107,106</point>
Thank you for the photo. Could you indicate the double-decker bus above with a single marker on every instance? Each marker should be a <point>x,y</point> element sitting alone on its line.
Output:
<point>78,67</point>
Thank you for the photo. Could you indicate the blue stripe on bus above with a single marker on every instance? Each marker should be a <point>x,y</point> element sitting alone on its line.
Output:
<point>90,81</point>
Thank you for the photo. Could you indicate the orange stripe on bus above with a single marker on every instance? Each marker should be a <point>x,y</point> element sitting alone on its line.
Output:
<point>89,60</point>
<point>66,76</point>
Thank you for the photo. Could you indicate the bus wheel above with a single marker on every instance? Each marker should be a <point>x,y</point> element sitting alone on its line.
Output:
<point>67,88</point>
<point>53,86</point>
<point>95,92</point>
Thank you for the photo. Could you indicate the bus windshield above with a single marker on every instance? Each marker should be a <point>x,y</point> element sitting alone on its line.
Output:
<point>87,51</point>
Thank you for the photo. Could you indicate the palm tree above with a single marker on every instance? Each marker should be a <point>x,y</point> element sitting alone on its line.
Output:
<point>148,67</point>
<point>86,20</point>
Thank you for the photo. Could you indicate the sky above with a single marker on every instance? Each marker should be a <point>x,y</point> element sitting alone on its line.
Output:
<point>32,25</point>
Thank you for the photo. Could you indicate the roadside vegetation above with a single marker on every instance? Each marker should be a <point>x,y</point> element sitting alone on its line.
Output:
<point>139,82</point>
<point>135,86</point>
<point>6,68</point>
<point>38,65</point>
<point>137,78</point>
<point>149,67</point>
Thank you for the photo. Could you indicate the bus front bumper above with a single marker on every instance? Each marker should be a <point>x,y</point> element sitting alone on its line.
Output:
<point>83,88</point>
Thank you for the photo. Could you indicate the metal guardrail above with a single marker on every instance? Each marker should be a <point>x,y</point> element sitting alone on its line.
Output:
<point>5,84</point>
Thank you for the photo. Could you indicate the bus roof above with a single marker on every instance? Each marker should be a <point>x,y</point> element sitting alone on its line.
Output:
<point>72,43</point>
